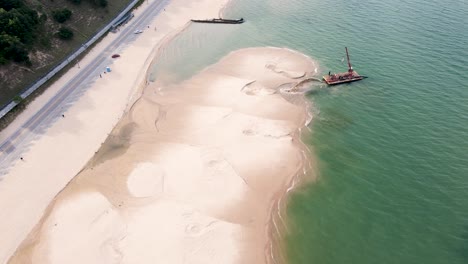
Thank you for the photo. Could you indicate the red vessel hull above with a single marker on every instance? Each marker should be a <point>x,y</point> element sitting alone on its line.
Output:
<point>340,78</point>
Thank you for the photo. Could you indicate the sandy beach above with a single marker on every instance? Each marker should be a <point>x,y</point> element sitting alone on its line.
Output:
<point>54,157</point>
<point>185,173</point>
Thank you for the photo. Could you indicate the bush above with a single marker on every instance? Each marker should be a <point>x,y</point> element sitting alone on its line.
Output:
<point>20,54</point>
<point>17,99</point>
<point>43,18</point>
<point>61,15</point>
<point>76,2</point>
<point>65,33</point>
<point>101,3</point>
<point>44,41</point>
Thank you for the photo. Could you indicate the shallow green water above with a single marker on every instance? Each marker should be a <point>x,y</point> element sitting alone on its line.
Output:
<point>392,150</point>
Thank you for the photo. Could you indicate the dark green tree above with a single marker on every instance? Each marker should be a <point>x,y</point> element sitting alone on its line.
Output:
<point>11,48</point>
<point>61,15</point>
<point>10,4</point>
<point>65,33</point>
<point>20,22</point>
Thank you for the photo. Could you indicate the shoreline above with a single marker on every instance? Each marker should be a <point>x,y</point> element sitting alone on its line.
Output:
<point>30,244</point>
<point>278,222</point>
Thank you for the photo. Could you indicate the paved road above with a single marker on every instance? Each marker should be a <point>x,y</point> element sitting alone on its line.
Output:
<point>19,141</point>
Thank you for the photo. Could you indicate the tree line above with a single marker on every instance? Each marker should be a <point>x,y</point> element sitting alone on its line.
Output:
<point>19,26</point>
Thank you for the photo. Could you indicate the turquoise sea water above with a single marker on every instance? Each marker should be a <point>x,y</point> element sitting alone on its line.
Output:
<point>392,150</point>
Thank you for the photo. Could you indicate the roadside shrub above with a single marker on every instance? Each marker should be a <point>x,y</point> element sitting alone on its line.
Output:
<point>61,15</point>
<point>17,99</point>
<point>65,33</point>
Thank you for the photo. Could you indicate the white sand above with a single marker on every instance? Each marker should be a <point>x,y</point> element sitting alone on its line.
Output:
<point>86,225</point>
<point>189,175</point>
<point>54,158</point>
<point>146,180</point>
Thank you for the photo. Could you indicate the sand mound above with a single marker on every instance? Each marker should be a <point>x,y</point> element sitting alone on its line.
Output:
<point>146,180</point>
<point>182,235</point>
<point>82,229</point>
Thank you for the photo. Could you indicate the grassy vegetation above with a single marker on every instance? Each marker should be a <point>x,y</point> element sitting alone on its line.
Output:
<point>47,49</point>
<point>23,102</point>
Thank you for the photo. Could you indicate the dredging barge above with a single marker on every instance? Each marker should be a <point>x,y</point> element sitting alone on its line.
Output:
<point>343,77</point>
<point>219,21</point>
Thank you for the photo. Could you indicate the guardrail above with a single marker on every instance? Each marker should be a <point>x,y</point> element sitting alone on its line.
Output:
<point>28,91</point>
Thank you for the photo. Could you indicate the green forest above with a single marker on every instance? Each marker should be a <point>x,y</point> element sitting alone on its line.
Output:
<point>20,25</point>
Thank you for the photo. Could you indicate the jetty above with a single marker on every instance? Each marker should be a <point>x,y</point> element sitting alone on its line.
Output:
<point>219,21</point>
<point>343,77</point>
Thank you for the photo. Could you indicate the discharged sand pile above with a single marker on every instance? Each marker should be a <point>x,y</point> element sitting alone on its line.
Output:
<point>189,175</point>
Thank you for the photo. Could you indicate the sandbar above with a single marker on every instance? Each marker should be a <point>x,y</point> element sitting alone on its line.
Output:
<point>190,174</point>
